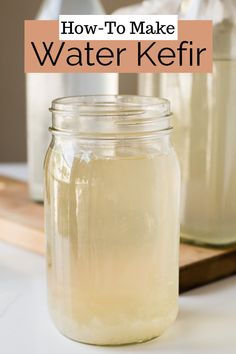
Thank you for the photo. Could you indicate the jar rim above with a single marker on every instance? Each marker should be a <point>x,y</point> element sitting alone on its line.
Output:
<point>110,115</point>
<point>114,105</point>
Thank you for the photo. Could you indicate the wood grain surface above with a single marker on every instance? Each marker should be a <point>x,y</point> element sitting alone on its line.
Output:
<point>21,224</point>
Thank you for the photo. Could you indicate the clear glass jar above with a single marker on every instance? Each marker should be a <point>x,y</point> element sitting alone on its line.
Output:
<point>42,88</point>
<point>205,115</point>
<point>112,186</point>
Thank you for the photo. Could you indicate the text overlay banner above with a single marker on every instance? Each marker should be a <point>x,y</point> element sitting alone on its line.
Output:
<point>192,52</point>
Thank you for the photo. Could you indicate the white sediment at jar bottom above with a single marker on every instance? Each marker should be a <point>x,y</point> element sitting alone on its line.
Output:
<point>126,330</point>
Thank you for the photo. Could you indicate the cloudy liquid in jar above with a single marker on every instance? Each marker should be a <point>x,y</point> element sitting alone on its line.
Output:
<point>113,245</point>
<point>205,143</point>
<point>204,138</point>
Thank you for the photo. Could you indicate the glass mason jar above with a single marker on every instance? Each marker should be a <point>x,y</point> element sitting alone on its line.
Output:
<point>112,186</point>
<point>205,115</point>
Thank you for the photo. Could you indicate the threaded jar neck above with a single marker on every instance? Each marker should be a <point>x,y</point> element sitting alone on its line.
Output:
<point>110,116</point>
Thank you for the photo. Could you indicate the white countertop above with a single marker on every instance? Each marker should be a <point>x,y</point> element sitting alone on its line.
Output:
<point>206,321</point>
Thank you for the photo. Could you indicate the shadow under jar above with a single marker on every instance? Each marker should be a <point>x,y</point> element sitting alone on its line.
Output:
<point>112,187</point>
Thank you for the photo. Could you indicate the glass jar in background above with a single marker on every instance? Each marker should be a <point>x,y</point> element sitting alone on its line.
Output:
<point>205,125</point>
<point>205,115</point>
<point>41,88</point>
<point>112,186</point>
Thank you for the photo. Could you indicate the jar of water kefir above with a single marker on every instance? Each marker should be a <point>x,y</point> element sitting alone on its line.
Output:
<point>205,114</point>
<point>112,186</point>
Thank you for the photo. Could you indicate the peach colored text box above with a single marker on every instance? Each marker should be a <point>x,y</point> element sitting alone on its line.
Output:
<point>119,56</point>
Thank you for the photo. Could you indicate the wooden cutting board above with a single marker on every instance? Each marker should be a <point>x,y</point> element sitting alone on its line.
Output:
<point>21,224</point>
